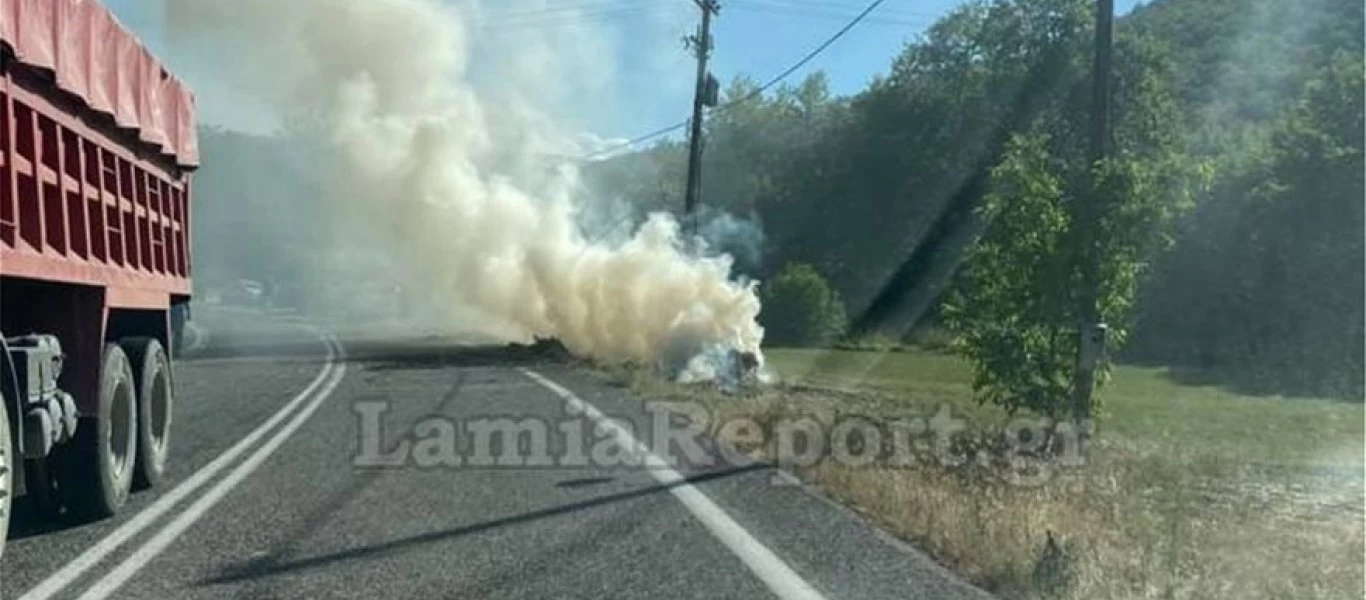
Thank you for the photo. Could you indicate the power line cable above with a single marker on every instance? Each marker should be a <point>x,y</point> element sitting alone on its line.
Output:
<point>750,96</point>
<point>825,14</point>
<point>850,5</point>
<point>844,10</point>
<point>805,59</point>
<point>567,8</point>
<point>571,18</point>
<point>636,140</point>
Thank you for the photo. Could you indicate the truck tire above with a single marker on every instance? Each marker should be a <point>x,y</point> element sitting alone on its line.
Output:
<point>7,466</point>
<point>94,471</point>
<point>152,377</point>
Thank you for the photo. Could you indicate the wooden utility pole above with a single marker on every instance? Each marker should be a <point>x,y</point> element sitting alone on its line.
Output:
<point>701,45</point>
<point>1091,335</point>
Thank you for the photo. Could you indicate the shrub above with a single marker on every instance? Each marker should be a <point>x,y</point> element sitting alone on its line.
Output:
<point>873,342</point>
<point>801,308</point>
<point>931,337</point>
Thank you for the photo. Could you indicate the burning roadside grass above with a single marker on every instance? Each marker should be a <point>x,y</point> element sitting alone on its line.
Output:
<point>540,350</point>
<point>728,370</point>
<point>716,367</point>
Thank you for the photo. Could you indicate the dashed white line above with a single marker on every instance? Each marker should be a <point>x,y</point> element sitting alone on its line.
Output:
<point>120,575</point>
<point>764,563</point>
<point>70,572</point>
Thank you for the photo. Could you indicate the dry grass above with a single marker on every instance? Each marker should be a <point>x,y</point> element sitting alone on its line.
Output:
<point>1191,498</point>
<point>1120,536</point>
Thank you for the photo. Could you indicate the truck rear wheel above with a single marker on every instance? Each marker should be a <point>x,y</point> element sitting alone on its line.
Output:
<point>95,470</point>
<point>6,473</point>
<point>152,374</point>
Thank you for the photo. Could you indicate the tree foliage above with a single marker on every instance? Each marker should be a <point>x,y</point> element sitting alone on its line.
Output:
<point>1266,285</point>
<point>960,169</point>
<point>1050,214</point>
<point>801,309</point>
<point>1011,314</point>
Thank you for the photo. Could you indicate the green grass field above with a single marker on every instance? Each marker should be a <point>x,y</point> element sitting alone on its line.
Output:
<point>1193,491</point>
<point>1142,406</point>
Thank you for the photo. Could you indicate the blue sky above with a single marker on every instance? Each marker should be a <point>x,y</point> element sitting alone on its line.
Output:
<point>755,37</point>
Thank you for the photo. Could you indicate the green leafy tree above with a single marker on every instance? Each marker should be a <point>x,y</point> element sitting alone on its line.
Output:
<point>801,309</point>
<point>1011,314</point>
<point>1016,310</point>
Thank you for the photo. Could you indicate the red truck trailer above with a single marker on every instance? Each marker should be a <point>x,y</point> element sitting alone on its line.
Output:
<point>97,147</point>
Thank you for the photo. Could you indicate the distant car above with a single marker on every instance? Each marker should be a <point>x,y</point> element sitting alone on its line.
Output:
<point>244,292</point>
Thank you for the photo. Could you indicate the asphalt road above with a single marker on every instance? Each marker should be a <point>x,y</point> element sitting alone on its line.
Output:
<point>292,513</point>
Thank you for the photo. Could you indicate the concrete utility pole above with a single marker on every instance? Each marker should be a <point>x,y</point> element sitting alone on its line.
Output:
<point>1092,332</point>
<point>703,95</point>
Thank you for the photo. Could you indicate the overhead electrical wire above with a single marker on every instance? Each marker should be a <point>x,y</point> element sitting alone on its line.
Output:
<point>809,56</point>
<point>750,96</point>
<point>855,5</point>
<point>823,13</point>
<point>634,141</point>
<point>825,7</point>
<point>568,8</point>
<point>576,16</point>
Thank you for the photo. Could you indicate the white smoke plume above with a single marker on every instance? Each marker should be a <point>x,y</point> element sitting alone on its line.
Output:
<point>459,183</point>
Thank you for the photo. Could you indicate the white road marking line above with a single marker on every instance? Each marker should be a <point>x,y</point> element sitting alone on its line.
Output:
<point>73,570</point>
<point>120,575</point>
<point>201,338</point>
<point>767,566</point>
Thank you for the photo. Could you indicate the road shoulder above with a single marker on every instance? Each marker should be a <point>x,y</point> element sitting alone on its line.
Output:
<point>830,545</point>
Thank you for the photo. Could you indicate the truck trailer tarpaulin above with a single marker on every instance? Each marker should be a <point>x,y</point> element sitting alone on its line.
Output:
<point>95,59</point>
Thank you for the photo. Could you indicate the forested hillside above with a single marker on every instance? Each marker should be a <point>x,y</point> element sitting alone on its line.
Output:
<point>1265,281</point>
<point>1232,230</point>
<point>943,195</point>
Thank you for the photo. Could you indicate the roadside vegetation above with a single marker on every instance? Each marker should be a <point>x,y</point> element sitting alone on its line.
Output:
<point>801,309</point>
<point>945,210</point>
<point>1190,490</point>
<point>946,193</point>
